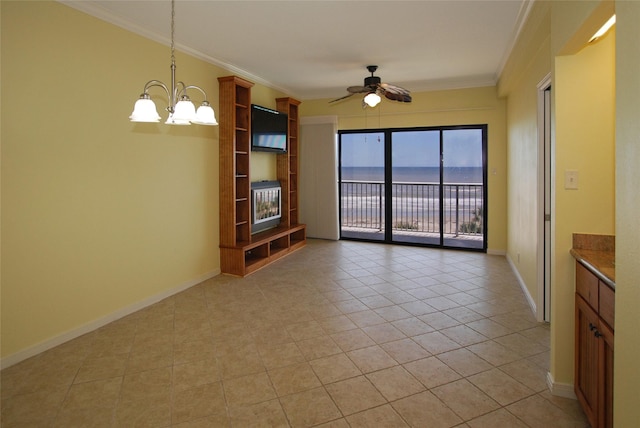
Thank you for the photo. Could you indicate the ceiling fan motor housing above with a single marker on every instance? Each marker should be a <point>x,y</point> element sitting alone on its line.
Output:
<point>372,81</point>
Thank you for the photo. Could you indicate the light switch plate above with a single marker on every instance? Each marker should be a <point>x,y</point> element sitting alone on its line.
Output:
<point>571,179</point>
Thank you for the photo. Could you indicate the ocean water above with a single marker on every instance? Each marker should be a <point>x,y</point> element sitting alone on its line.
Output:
<point>415,174</point>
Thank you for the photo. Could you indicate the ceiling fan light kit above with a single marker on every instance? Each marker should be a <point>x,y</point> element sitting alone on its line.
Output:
<point>376,89</point>
<point>372,99</point>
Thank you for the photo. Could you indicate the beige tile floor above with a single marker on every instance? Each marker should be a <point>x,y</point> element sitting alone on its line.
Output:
<point>338,334</point>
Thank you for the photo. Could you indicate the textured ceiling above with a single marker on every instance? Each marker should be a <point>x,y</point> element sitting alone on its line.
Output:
<point>315,49</point>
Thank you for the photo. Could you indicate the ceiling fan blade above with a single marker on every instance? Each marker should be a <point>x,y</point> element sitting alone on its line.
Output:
<point>395,93</point>
<point>358,89</point>
<point>397,97</point>
<point>341,98</point>
<point>394,89</point>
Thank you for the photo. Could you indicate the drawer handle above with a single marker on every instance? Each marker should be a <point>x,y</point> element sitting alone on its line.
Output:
<point>593,328</point>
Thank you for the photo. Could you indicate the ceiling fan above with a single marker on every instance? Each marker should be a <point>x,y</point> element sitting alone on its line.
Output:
<point>374,88</point>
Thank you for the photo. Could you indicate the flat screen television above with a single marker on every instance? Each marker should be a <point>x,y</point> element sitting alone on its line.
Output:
<point>268,130</point>
<point>267,205</point>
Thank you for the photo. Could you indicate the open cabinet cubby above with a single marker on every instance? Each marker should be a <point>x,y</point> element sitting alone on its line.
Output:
<point>242,253</point>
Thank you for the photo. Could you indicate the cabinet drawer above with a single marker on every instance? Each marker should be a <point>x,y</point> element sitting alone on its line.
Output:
<point>607,304</point>
<point>587,285</point>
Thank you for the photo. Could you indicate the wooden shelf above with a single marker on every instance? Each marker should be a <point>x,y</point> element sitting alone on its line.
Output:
<point>263,248</point>
<point>235,145</point>
<point>242,253</point>
<point>288,163</point>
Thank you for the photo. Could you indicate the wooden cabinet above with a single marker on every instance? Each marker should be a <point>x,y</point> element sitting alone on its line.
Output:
<point>594,347</point>
<point>586,376</point>
<point>242,253</point>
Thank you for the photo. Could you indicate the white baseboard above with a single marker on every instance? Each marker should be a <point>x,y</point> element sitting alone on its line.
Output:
<point>564,390</point>
<point>556,388</point>
<point>95,324</point>
<point>523,286</point>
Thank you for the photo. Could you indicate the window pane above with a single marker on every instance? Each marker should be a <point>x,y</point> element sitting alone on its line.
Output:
<point>362,185</point>
<point>416,186</point>
<point>463,189</point>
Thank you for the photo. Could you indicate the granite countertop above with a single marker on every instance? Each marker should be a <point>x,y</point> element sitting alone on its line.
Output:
<point>596,253</point>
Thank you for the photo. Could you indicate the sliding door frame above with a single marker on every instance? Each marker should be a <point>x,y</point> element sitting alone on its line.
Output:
<point>388,191</point>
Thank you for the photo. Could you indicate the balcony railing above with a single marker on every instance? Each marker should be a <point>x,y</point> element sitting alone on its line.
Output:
<point>415,207</point>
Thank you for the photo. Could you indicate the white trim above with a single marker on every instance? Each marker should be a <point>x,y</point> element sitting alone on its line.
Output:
<point>543,294</point>
<point>99,12</point>
<point>95,324</point>
<point>523,286</point>
<point>521,20</point>
<point>564,390</point>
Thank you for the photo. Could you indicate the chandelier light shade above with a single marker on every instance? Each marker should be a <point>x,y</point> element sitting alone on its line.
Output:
<point>184,111</point>
<point>372,99</point>
<point>144,110</point>
<point>205,115</point>
<point>181,109</point>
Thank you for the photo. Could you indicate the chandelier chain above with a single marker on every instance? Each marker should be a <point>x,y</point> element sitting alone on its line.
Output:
<point>173,19</point>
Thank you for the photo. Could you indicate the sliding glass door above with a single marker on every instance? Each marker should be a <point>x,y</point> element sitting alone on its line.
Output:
<point>424,186</point>
<point>463,185</point>
<point>362,186</point>
<point>415,184</point>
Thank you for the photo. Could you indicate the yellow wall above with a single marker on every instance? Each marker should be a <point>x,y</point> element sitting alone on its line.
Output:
<point>99,215</point>
<point>584,84</point>
<point>627,344</point>
<point>583,114</point>
<point>527,67</point>
<point>585,132</point>
<point>263,165</point>
<point>454,107</point>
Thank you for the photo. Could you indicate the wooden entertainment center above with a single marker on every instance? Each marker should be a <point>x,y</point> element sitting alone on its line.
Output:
<point>242,253</point>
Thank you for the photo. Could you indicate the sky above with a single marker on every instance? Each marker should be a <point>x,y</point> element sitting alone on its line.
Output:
<point>462,148</point>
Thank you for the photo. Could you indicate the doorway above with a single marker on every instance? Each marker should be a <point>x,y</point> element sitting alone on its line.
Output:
<point>544,199</point>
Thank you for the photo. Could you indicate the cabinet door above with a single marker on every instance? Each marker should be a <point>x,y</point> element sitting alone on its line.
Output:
<point>605,380</point>
<point>586,365</point>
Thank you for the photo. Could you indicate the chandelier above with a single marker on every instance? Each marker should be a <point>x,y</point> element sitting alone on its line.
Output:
<point>181,109</point>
